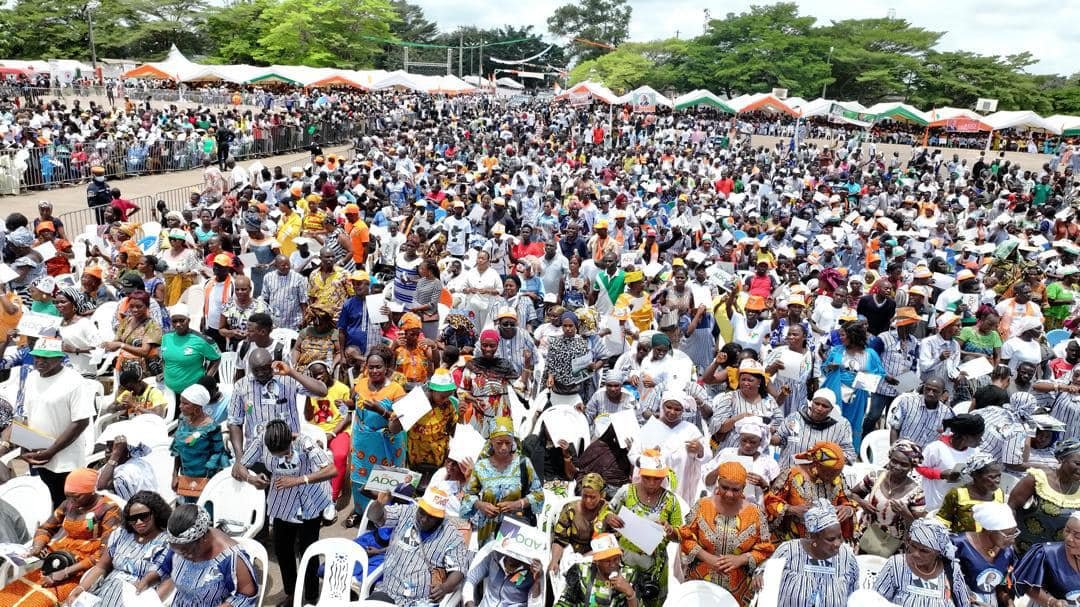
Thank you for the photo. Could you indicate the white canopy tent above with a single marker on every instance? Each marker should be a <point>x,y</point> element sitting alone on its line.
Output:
<point>648,90</point>
<point>1021,119</point>
<point>759,101</point>
<point>593,89</point>
<point>1069,125</point>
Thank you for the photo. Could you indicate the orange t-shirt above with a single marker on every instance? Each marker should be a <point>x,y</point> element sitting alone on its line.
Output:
<point>360,235</point>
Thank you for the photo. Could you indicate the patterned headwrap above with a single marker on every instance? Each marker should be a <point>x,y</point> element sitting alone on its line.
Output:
<point>979,460</point>
<point>1066,447</point>
<point>821,515</point>
<point>823,453</point>
<point>78,299</point>
<point>929,532</point>
<point>1022,405</point>
<point>194,533</point>
<point>489,334</point>
<point>588,320</point>
<point>21,237</point>
<point>593,481</point>
<point>733,472</point>
<point>909,450</point>
<point>614,375</point>
<point>252,220</point>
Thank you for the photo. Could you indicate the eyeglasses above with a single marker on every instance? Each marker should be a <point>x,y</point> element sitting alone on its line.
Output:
<point>508,324</point>
<point>139,516</point>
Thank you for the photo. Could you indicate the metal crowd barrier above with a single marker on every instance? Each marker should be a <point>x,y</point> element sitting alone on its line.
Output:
<point>176,199</point>
<point>60,164</point>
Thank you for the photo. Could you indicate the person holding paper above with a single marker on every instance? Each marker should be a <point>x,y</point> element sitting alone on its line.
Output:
<point>761,467</point>
<point>570,360</point>
<point>296,472</point>
<point>789,368</point>
<point>726,538</point>
<point>637,301</point>
<point>503,482</point>
<point>604,580</point>
<point>842,364</point>
<point>1020,305</point>
<point>429,438</point>
<point>79,334</point>
<point>815,473</point>
<point>819,568</point>
<point>646,498</point>
<point>814,422</point>
<point>482,286</point>
<point>377,438</point>
<point>80,526</point>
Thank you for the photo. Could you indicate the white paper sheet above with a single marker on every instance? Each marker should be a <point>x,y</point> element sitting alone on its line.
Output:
<point>866,381</point>
<point>615,342</point>
<point>411,407</point>
<point>640,531</point>
<point>976,367</point>
<point>943,281</point>
<point>702,295</point>
<point>146,598</point>
<point>7,274</point>
<point>374,305</point>
<point>800,224</point>
<point>36,324</point>
<point>793,363</point>
<point>908,381</point>
<point>250,260</point>
<point>86,600</point>
<point>28,438</point>
<point>47,250</point>
<point>466,443</point>
<point>628,259</point>
<point>627,428</point>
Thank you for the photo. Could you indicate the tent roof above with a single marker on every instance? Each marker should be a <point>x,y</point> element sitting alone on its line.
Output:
<point>338,80</point>
<point>941,114</point>
<point>902,111</point>
<point>660,99</point>
<point>701,97</point>
<point>759,101</point>
<point>594,89</point>
<point>1020,119</point>
<point>1069,125</point>
<point>509,83</point>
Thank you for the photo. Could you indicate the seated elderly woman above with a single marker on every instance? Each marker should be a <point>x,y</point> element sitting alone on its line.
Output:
<point>725,537</point>
<point>890,500</point>
<point>761,468</point>
<point>1049,574</point>
<point>131,550</point>
<point>816,473</point>
<point>138,337</point>
<point>810,424</point>
<point>605,580</point>
<point>502,482</point>
<point>820,555</point>
<point>981,476</point>
<point>987,556</point>
<point>574,529</point>
<point>71,541</point>
<point>205,566</point>
<point>927,574</point>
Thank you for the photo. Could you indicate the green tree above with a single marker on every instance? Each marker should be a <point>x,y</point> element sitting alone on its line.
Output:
<point>164,23</point>
<point>875,58</point>
<point>326,33</point>
<point>236,29</point>
<point>55,29</point>
<point>597,21</point>
<point>959,78</point>
<point>634,64</point>
<point>412,26</point>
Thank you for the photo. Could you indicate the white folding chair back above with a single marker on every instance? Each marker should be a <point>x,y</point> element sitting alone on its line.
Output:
<point>235,502</point>
<point>285,337</point>
<point>869,566</point>
<point>151,228</point>
<point>103,318</point>
<point>162,461</point>
<point>258,555</point>
<point>340,557</point>
<point>30,496</point>
<point>676,574</point>
<point>698,593</point>
<point>962,407</point>
<point>194,298</point>
<point>856,471</point>
<point>875,448</point>
<point>362,528</point>
<point>315,433</point>
<point>227,368</point>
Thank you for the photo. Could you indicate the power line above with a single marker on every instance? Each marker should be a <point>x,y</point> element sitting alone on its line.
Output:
<point>425,45</point>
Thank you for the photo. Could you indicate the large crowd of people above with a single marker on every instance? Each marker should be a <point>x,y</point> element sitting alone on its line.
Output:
<point>681,360</point>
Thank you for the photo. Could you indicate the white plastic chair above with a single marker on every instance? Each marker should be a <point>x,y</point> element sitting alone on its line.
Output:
<point>227,368</point>
<point>962,407</point>
<point>285,337</point>
<point>698,593</point>
<point>450,600</point>
<point>553,507</point>
<point>103,318</point>
<point>856,471</point>
<point>875,448</point>
<point>30,496</point>
<point>258,555</point>
<point>315,433</point>
<point>676,573</point>
<point>869,566</point>
<point>236,502</point>
<point>470,592</point>
<point>151,228</point>
<point>340,557</point>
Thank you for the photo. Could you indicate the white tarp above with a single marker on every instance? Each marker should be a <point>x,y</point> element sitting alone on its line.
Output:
<point>629,97</point>
<point>1020,119</point>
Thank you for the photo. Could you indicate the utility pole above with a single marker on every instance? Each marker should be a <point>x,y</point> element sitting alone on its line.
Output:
<point>92,6</point>
<point>828,62</point>
<point>460,54</point>
<point>481,72</point>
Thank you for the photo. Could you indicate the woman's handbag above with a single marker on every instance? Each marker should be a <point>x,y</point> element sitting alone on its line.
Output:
<point>190,486</point>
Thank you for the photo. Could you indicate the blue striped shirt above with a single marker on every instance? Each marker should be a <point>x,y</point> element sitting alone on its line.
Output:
<point>286,295</point>
<point>898,357</point>
<point>513,349</point>
<point>411,556</point>
<point>302,502</point>
<point>253,404</point>
<point>913,420</point>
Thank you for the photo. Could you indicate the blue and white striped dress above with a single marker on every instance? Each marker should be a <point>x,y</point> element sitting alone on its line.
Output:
<point>406,275</point>
<point>809,582</point>
<point>130,562</point>
<point>209,582</point>
<point>305,458</point>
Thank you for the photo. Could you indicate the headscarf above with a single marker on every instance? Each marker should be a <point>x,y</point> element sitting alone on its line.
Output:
<point>1022,405</point>
<point>993,516</point>
<point>504,426</point>
<point>489,334</point>
<point>199,528</point>
<point>21,237</point>
<point>823,453</point>
<point>592,481</point>
<point>78,300</point>
<point>659,339</point>
<point>733,472</point>
<point>409,320</point>
<point>252,221</point>
<point>1066,447</point>
<point>978,460</point>
<point>756,426</point>
<point>81,481</point>
<point>908,449</point>
<point>820,516</point>
<point>142,296</point>
<point>196,394</point>
<point>568,315</point>
<point>614,375</point>
<point>929,532</point>
<point>588,320</point>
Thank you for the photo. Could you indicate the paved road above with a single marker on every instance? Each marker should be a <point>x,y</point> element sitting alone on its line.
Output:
<point>73,198</point>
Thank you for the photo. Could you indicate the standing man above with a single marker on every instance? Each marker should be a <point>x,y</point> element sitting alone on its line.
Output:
<point>98,194</point>
<point>354,326</point>
<point>286,294</point>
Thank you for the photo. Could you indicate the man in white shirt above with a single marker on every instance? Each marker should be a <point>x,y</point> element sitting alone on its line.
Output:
<point>458,229</point>
<point>219,291</point>
<point>57,402</point>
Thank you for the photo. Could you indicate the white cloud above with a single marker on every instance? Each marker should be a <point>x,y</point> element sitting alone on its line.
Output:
<point>999,27</point>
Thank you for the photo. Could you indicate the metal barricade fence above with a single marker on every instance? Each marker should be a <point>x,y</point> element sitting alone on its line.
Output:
<point>62,164</point>
<point>176,199</point>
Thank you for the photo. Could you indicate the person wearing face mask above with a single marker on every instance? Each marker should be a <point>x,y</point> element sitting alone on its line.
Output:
<point>508,580</point>
<point>98,194</point>
<point>605,580</point>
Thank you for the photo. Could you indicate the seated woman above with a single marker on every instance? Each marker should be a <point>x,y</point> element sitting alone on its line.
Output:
<point>206,566</point>
<point>131,550</point>
<point>983,474</point>
<point>787,502</point>
<point>753,443</point>
<point>927,574</point>
<point>318,340</point>
<point>80,528</point>
<point>890,500</point>
<point>1043,502</point>
<point>605,580</point>
<point>136,397</point>
<point>811,423</point>
<point>138,337</point>
<point>1049,574</point>
<point>574,528</point>
<point>647,498</point>
<point>987,557</point>
<point>822,555</point>
<point>502,482</point>
<point>725,537</point>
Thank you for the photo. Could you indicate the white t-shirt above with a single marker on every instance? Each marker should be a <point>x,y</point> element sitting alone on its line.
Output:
<point>1016,351</point>
<point>52,404</point>
<point>457,234</point>
<point>215,306</point>
<point>941,457</point>
<point>81,334</point>
<point>747,337</point>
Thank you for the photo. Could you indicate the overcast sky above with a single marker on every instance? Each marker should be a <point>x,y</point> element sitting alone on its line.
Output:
<point>997,27</point>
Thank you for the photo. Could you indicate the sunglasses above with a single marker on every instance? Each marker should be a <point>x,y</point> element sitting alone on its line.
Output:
<point>508,324</point>
<point>141,516</point>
